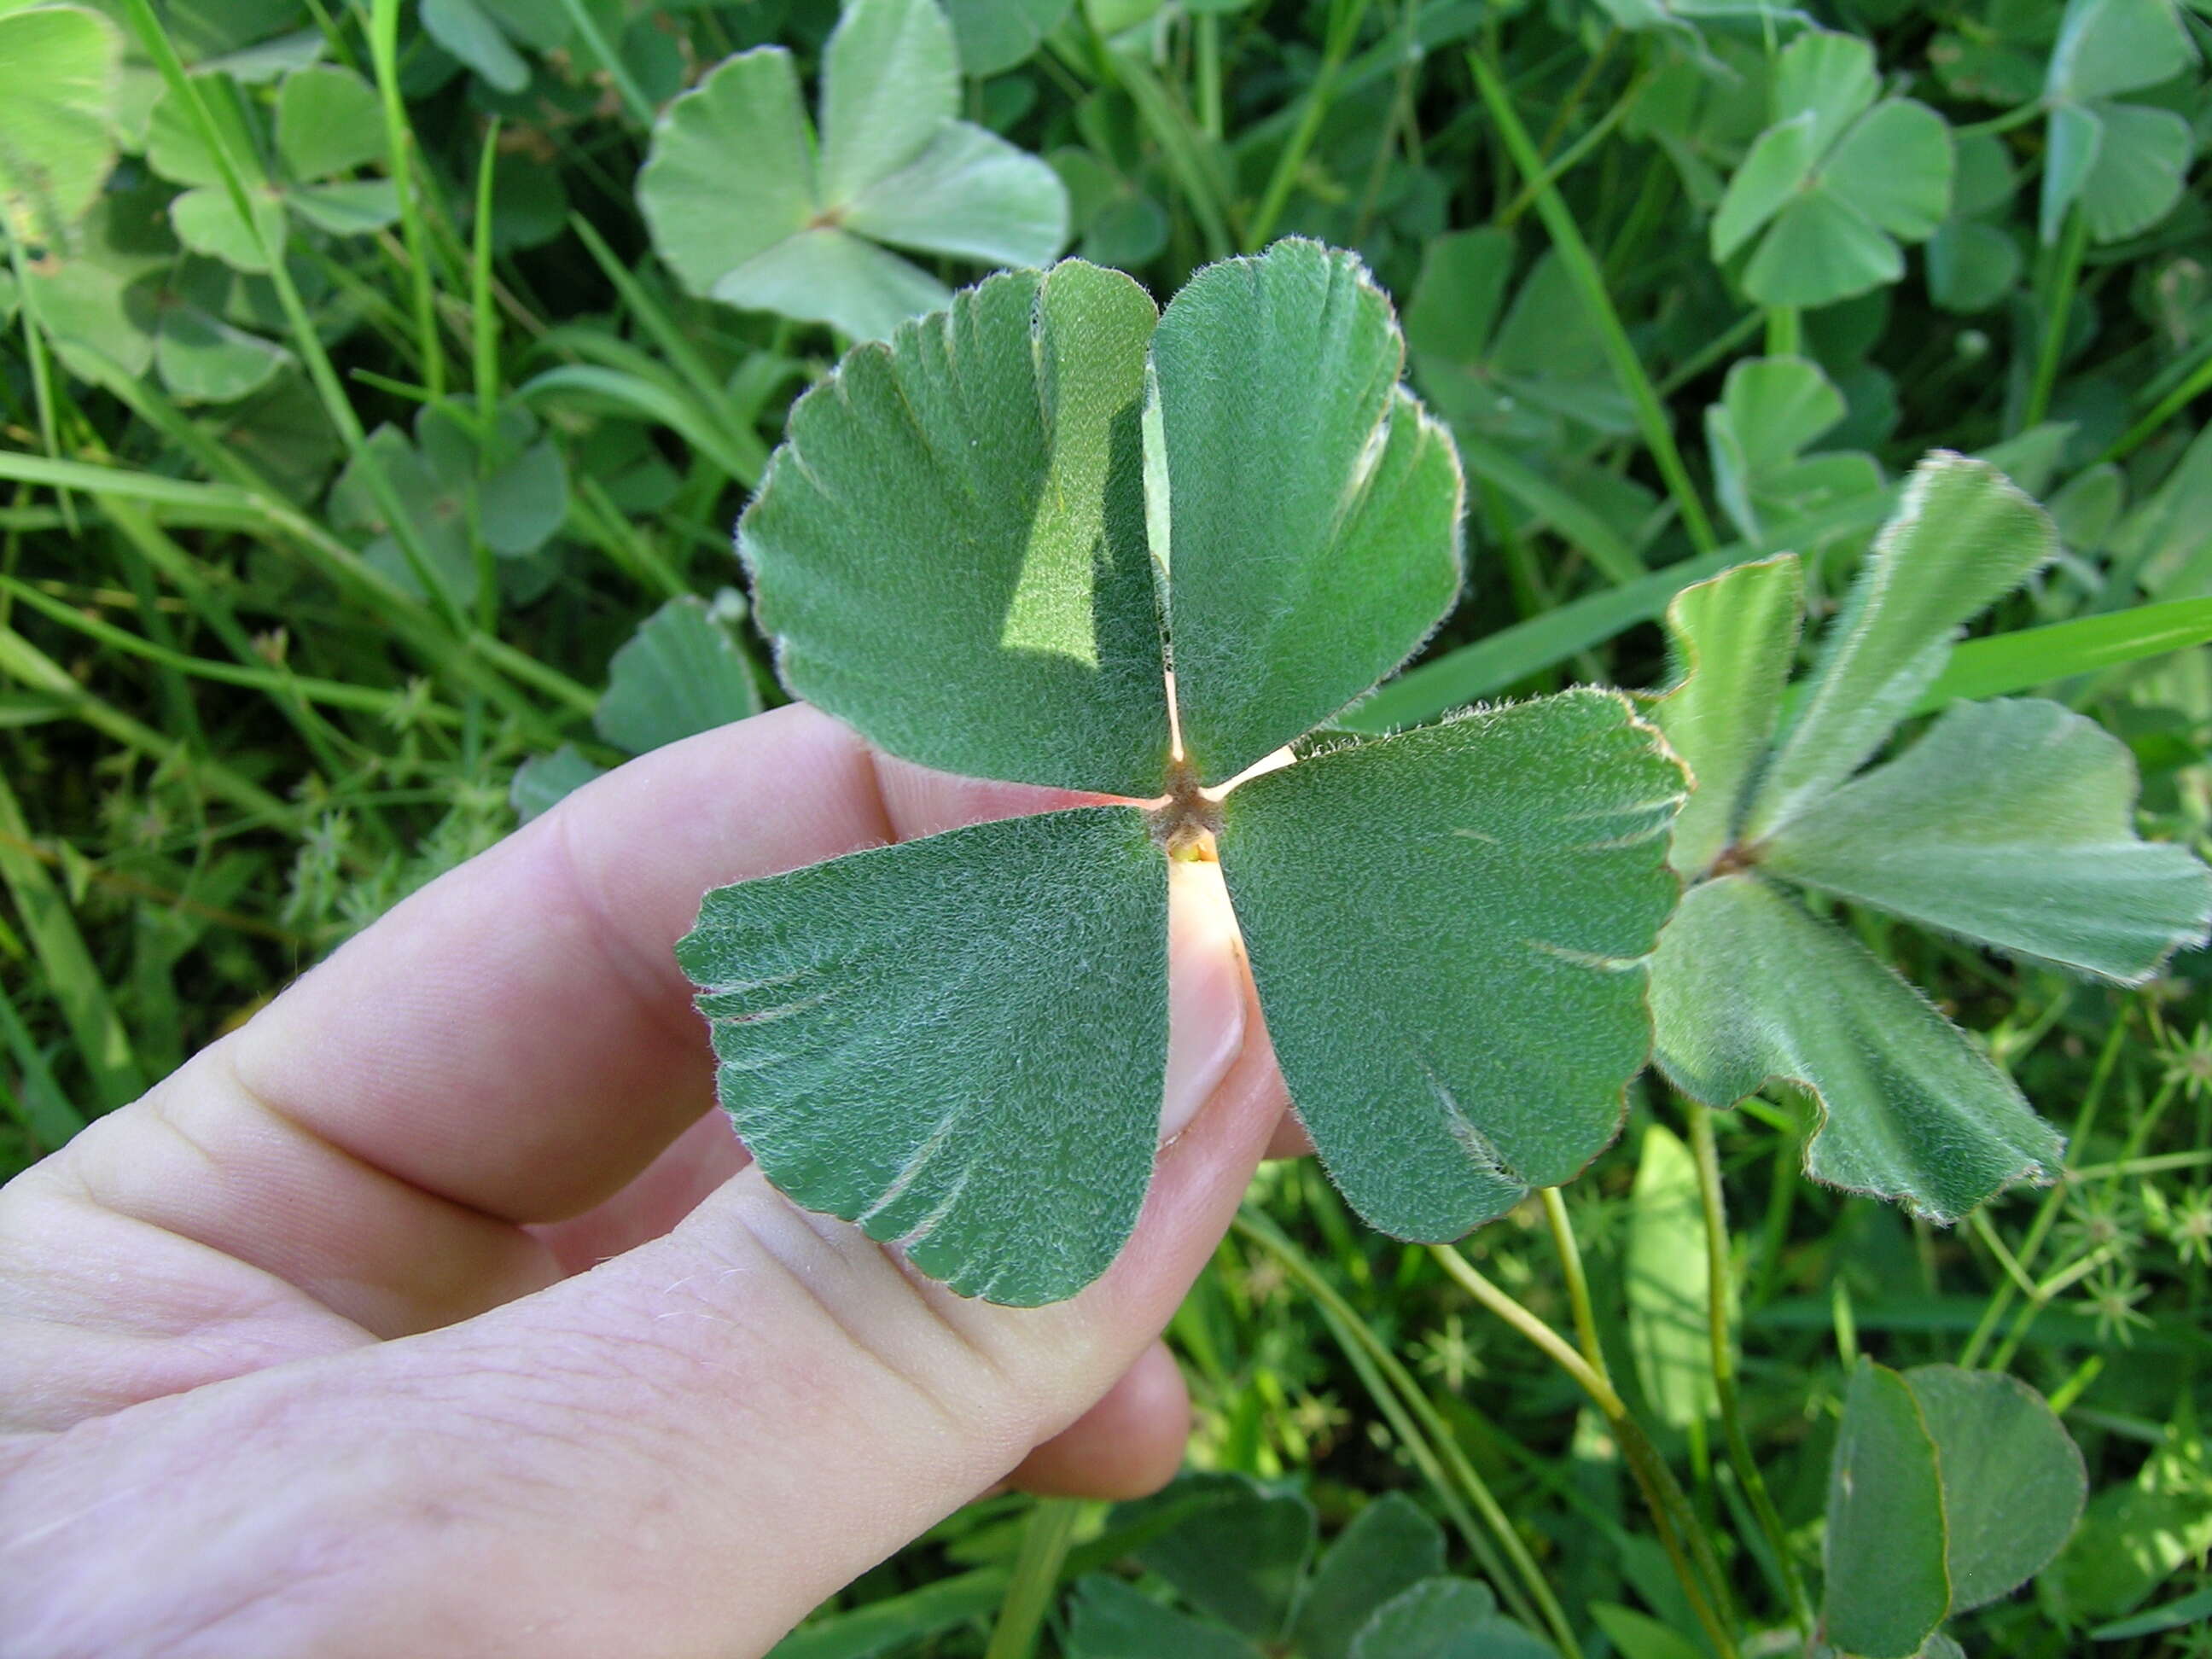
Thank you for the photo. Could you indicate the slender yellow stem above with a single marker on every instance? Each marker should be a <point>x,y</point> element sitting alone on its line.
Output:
<point>1671,1514</point>
<point>1570,1264</point>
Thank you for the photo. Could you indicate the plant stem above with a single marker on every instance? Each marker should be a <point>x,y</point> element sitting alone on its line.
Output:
<point>2059,308</point>
<point>1345,17</point>
<point>595,39</point>
<point>1671,1514</point>
<point>399,162</point>
<point>1719,1282</point>
<point>2047,1214</point>
<point>1570,1264</point>
<point>1540,1605</point>
<point>1589,282</point>
<point>1037,1563</point>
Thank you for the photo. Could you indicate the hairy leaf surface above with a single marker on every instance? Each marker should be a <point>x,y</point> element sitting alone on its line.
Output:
<point>1447,929</point>
<point>1310,509</point>
<point>1032,954</point>
<point>1963,537</point>
<point>949,550</point>
<point>1747,986</point>
<point>2010,824</point>
<point>1734,639</point>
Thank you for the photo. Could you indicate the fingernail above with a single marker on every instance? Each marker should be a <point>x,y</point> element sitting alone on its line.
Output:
<point>1205,992</point>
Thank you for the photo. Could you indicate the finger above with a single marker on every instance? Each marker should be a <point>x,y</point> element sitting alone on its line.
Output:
<point>761,1389</point>
<point>515,1043</point>
<point>1128,1444</point>
<point>1290,1138</point>
<point>518,1038</point>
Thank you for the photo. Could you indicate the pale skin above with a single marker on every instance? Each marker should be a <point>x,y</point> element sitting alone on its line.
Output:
<point>435,1311</point>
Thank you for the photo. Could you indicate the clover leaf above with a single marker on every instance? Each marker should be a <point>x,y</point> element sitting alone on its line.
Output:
<point>1514,371</point>
<point>1973,259</point>
<point>1770,409</point>
<point>745,210</point>
<point>1237,1553</point>
<point>326,125</point>
<point>485,34</point>
<point>2008,825</point>
<point>459,484</point>
<point>994,35</point>
<point>57,136</point>
<point>2123,163</point>
<point>1836,182</point>
<point>1946,1489</point>
<point>984,545</point>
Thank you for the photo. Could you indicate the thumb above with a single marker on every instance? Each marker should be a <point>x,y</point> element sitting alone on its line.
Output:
<point>682,1451</point>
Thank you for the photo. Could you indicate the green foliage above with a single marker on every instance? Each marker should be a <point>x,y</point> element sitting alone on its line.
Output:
<point>1278,520</point>
<point>744,209</point>
<point>1239,1552</point>
<point>242,715</point>
<point>2121,162</point>
<point>1837,182</point>
<point>1947,1488</point>
<point>2007,824</point>
<point>57,139</point>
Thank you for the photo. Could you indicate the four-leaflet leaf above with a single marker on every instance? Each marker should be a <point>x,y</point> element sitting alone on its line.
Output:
<point>2008,825</point>
<point>983,545</point>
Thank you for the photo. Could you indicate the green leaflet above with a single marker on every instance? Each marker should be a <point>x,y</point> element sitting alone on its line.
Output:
<point>2122,163</point>
<point>682,672</point>
<point>823,986</point>
<point>950,548</point>
<point>1734,638</point>
<point>1837,182</point>
<point>2012,825</point>
<point>744,209</point>
<point>56,146</point>
<point>1387,1547</point>
<point>2013,1480</point>
<point>1311,509</point>
<point>1747,986</point>
<point>1239,1560</point>
<point>1111,1619</point>
<point>1770,410</point>
<point>1887,1589</point>
<point>1448,930</point>
<point>1668,1285</point>
<point>1447,1619</point>
<point>1963,538</point>
<point>1948,1489</point>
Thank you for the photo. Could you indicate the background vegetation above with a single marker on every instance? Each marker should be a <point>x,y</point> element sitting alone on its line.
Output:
<point>329,498</point>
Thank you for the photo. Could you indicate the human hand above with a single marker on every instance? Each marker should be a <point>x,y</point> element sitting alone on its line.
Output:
<point>432,1311</point>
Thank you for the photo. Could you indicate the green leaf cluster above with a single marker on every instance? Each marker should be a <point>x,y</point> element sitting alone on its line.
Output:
<point>1948,1489</point>
<point>746,208</point>
<point>1837,182</point>
<point>1239,1559</point>
<point>2008,825</point>
<point>325,125</point>
<point>987,545</point>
